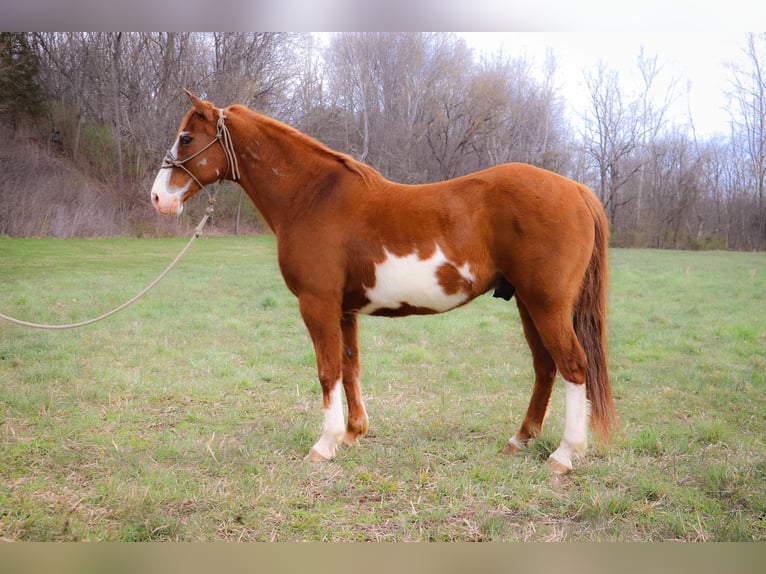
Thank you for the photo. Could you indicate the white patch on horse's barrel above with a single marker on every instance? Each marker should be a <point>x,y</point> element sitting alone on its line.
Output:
<point>413,281</point>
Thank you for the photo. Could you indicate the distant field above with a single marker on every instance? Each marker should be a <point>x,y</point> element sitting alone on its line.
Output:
<point>187,416</point>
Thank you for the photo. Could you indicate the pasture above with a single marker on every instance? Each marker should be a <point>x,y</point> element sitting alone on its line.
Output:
<point>187,416</point>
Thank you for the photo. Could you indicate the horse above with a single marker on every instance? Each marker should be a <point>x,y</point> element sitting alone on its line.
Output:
<point>351,242</point>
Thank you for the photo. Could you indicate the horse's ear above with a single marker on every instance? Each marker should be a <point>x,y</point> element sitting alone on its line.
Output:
<point>202,107</point>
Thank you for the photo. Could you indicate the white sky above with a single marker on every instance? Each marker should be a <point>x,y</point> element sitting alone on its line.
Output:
<point>696,60</point>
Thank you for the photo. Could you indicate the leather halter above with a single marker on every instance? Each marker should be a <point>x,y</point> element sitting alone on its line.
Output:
<point>224,137</point>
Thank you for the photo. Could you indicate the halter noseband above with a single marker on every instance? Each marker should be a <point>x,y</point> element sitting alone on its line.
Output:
<point>223,136</point>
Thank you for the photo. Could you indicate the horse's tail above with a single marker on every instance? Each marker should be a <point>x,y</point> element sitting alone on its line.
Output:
<point>590,325</point>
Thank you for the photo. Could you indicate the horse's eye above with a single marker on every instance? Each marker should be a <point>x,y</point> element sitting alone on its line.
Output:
<point>185,139</point>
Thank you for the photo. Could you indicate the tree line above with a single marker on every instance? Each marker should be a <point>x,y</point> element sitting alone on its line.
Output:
<point>96,111</point>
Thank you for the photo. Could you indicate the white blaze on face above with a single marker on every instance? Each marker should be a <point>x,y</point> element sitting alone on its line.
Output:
<point>413,281</point>
<point>166,199</point>
<point>334,427</point>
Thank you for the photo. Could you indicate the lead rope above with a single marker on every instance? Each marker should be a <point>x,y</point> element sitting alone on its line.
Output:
<point>195,235</point>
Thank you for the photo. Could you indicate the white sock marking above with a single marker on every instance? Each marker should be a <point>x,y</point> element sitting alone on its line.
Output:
<point>413,281</point>
<point>577,411</point>
<point>334,426</point>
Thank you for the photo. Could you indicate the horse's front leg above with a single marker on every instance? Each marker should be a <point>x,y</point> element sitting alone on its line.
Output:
<point>323,321</point>
<point>357,414</point>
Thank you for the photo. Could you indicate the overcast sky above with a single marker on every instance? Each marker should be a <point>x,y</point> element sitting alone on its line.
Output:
<point>695,60</point>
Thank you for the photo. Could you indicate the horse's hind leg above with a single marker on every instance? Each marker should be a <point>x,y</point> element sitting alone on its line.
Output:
<point>545,374</point>
<point>554,326</point>
<point>357,415</point>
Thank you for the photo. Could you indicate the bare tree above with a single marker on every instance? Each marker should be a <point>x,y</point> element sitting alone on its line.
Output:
<point>252,68</point>
<point>380,89</point>
<point>524,116</point>
<point>653,111</point>
<point>116,88</point>
<point>613,131</point>
<point>455,117</point>
<point>750,124</point>
<point>672,188</point>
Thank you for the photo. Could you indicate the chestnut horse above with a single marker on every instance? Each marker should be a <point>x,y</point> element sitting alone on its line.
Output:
<point>349,242</point>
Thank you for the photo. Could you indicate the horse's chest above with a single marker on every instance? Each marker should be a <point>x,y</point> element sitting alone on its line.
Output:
<point>411,284</point>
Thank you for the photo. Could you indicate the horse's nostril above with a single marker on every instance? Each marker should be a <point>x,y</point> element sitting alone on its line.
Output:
<point>155,197</point>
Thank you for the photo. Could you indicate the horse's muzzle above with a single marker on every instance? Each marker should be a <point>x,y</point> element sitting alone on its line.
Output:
<point>167,200</point>
<point>167,204</point>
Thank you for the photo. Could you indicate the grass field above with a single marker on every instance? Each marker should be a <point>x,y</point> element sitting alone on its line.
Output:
<point>187,416</point>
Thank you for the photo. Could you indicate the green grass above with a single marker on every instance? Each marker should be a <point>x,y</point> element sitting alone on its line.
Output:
<point>187,416</point>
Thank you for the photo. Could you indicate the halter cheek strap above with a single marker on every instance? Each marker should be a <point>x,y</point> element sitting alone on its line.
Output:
<point>222,136</point>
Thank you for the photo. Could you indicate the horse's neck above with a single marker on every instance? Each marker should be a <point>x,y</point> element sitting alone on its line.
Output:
<point>277,168</point>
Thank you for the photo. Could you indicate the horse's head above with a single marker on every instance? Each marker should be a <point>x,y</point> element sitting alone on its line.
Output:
<point>202,154</point>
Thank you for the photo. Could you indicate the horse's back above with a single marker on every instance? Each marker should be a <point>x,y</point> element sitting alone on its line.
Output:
<point>535,189</point>
<point>524,203</point>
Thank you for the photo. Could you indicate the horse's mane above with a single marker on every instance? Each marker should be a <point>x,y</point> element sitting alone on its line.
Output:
<point>369,174</point>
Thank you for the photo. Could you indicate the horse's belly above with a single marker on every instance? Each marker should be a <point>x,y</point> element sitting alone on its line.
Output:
<point>410,285</point>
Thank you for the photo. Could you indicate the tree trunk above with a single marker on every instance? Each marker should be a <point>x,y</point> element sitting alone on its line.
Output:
<point>116,107</point>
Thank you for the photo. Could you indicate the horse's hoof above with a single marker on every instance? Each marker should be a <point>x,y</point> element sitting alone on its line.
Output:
<point>558,467</point>
<point>513,446</point>
<point>314,456</point>
<point>350,439</point>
